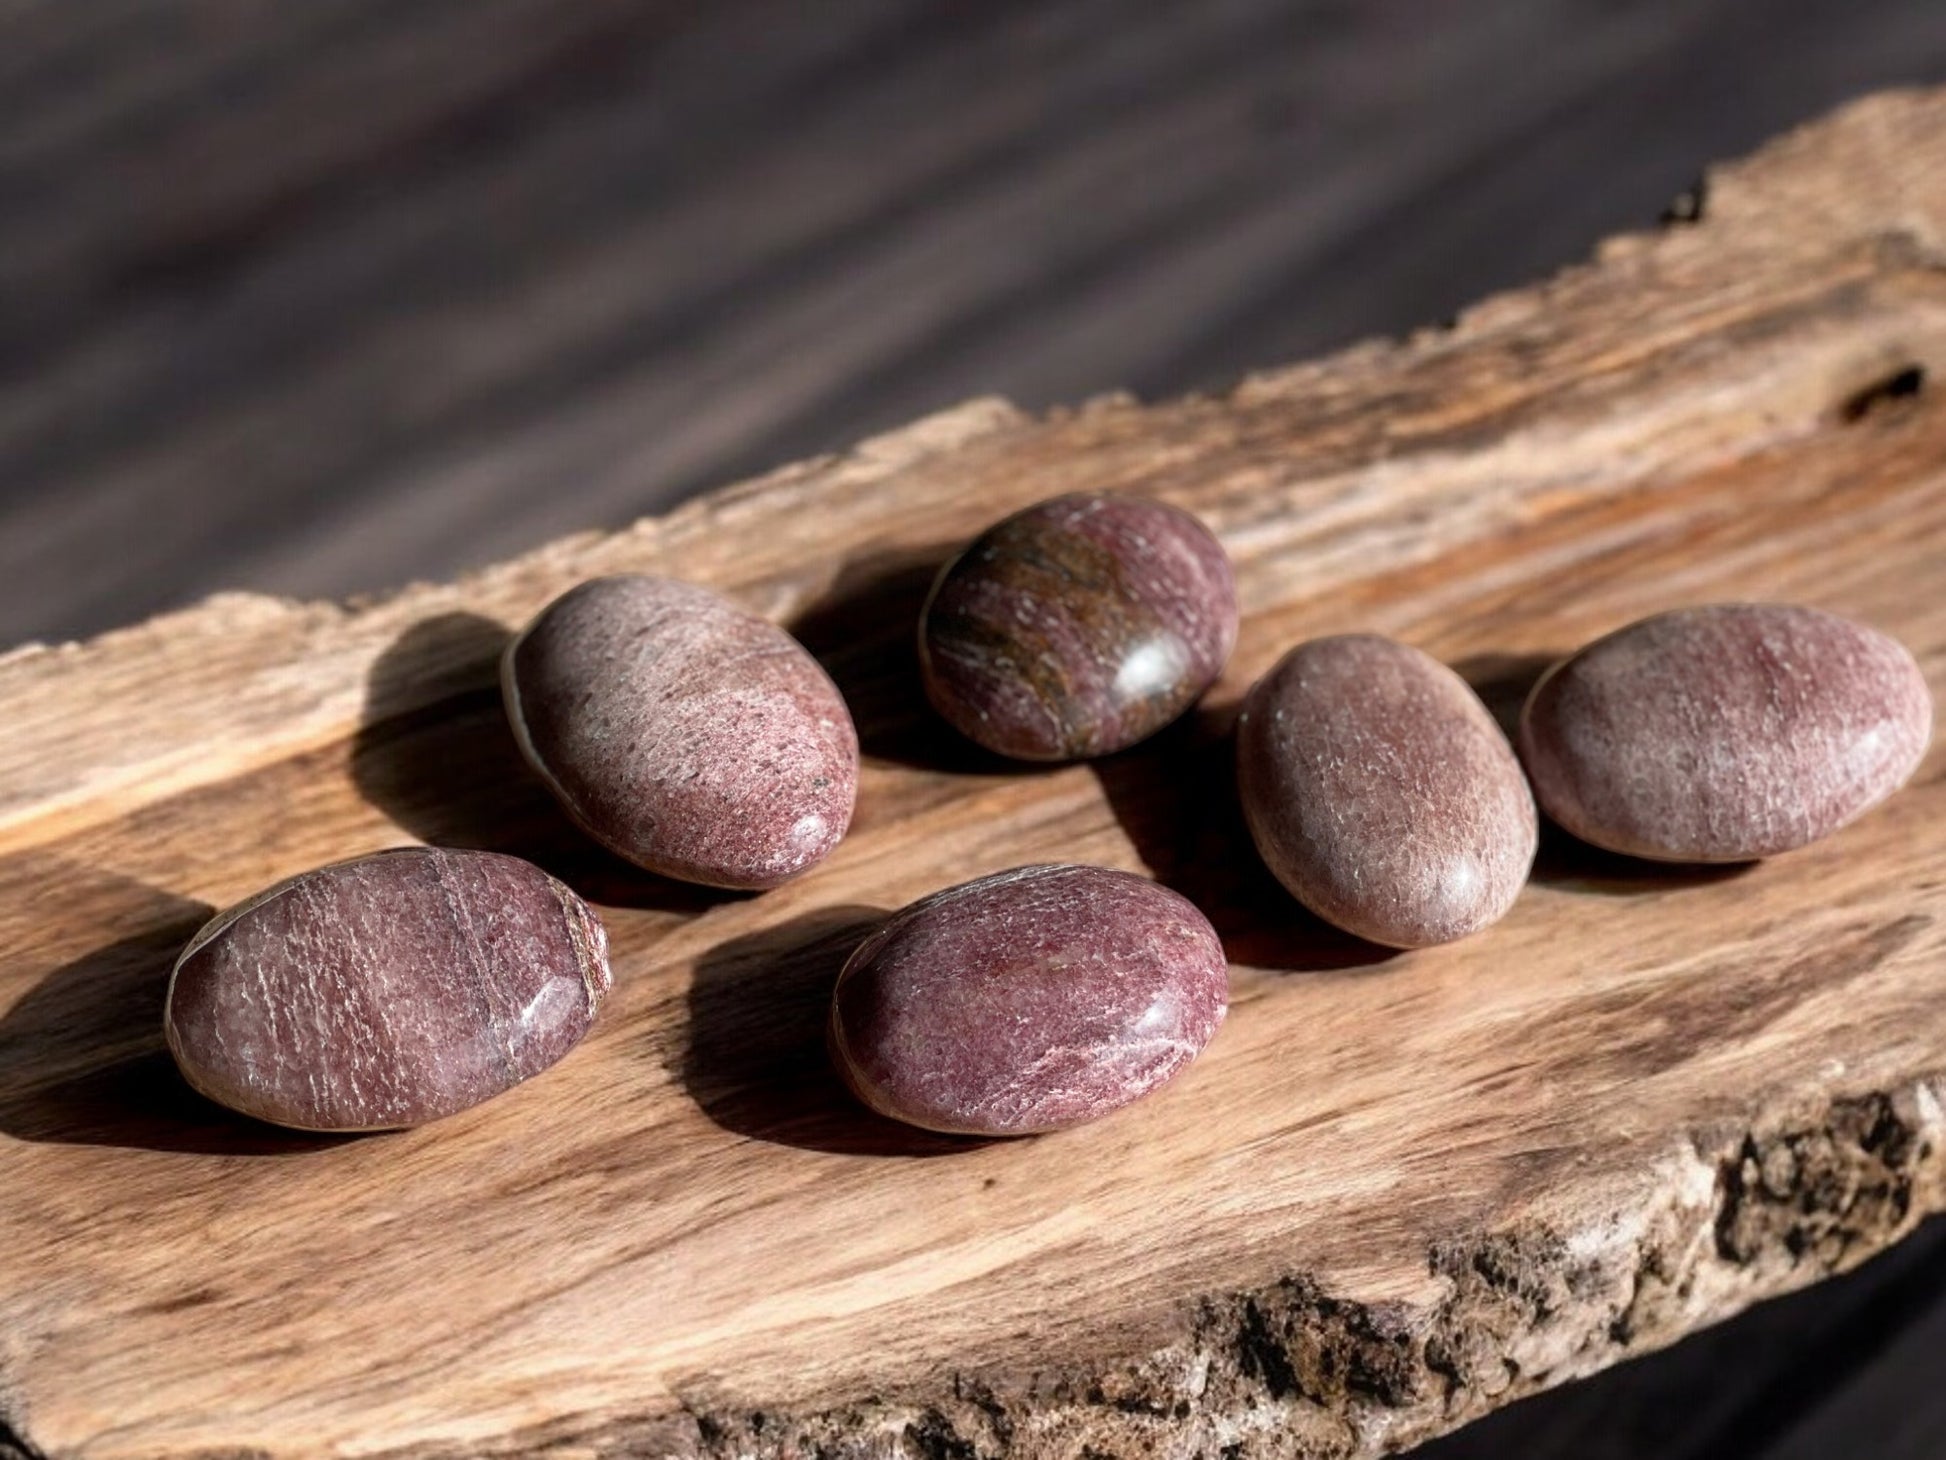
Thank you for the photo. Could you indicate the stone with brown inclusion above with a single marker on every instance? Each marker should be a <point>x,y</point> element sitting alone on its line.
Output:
<point>685,734</point>
<point>1381,793</point>
<point>1078,627</point>
<point>1723,733</point>
<point>386,991</point>
<point>1030,1000</point>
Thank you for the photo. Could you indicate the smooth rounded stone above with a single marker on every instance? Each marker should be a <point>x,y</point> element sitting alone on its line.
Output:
<point>1078,627</point>
<point>1027,1001</point>
<point>386,991</point>
<point>1724,733</point>
<point>693,738</point>
<point>1380,791</point>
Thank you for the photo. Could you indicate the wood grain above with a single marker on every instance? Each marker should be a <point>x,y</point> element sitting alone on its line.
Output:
<point>1396,1191</point>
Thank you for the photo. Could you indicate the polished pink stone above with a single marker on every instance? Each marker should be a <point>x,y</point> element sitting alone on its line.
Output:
<point>1724,733</point>
<point>1381,793</point>
<point>685,734</point>
<point>1078,626</point>
<point>386,991</point>
<point>1027,1001</point>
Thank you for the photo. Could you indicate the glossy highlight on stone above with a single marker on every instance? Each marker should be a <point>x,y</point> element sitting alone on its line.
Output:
<point>1381,793</point>
<point>686,735</point>
<point>1724,733</point>
<point>1030,1000</point>
<point>1078,627</point>
<point>386,991</point>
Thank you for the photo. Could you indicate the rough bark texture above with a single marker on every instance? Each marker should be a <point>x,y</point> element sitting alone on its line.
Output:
<point>1290,1370</point>
<point>1394,1191</point>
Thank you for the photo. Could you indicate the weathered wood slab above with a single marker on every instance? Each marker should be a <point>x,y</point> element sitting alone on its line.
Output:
<point>1397,1190</point>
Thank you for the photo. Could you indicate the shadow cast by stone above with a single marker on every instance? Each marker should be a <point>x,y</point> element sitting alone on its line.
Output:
<point>865,632</point>
<point>755,1058</point>
<point>83,1060</point>
<point>1503,682</point>
<point>1565,861</point>
<point>1175,797</point>
<point>435,754</point>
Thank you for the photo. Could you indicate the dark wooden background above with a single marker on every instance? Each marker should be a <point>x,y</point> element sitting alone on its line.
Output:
<point>317,298</point>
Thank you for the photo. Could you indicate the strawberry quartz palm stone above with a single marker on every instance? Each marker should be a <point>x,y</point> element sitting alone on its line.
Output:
<point>1028,1001</point>
<point>386,991</point>
<point>1724,733</point>
<point>685,734</point>
<point>1077,627</point>
<point>1381,793</point>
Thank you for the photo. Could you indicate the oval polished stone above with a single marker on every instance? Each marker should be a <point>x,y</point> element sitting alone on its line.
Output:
<point>693,738</point>
<point>1380,791</point>
<point>1724,733</point>
<point>386,991</point>
<point>1027,1001</point>
<point>1078,627</point>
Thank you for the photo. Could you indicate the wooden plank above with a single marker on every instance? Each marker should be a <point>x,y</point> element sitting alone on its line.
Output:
<point>1395,1193</point>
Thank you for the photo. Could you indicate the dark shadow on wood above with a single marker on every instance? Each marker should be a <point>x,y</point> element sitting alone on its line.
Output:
<point>83,1060</point>
<point>1175,796</point>
<point>865,632</point>
<point>1567,861</point>
<point>436,755</point>
<point>1503,682</point>
<point>755,1058</point>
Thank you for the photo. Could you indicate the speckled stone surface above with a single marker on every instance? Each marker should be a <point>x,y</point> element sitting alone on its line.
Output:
<point>693,738</point>
<point>1078,627</point>
<point>1380,791</point>
<point>386,991</point>
<point>1030,1000</point>
<point>1724,733</point>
